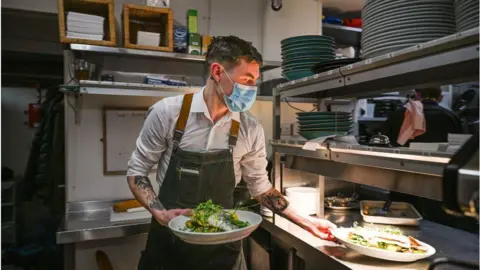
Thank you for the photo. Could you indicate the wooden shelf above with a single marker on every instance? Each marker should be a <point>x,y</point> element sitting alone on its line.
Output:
<point>102,8</point>
<point>150,19</point>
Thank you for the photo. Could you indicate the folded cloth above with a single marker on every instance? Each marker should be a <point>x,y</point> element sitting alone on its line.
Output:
<point>413,122</point>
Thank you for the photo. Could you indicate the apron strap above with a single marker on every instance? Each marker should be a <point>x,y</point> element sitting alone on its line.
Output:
<point>232,138</point>
<point>182,120</point>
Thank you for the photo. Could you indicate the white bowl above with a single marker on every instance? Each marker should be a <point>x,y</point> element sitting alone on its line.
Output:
<point>342,235</point>
<point>178,224</point>
<point>303,199</point>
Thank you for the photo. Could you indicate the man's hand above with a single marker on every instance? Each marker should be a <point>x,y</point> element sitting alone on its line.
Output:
<point>275,201</point>
<point>164,216</point>
<point>319,227</point>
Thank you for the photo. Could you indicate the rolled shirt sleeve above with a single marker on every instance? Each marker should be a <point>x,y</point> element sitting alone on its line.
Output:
<point>151,143</point>
<point>254,165</point>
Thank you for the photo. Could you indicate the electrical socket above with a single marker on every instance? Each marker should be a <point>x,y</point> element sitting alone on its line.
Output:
<point>286,129</point>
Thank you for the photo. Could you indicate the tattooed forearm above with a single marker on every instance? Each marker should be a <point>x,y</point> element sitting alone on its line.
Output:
<point>143,191</point>
<point>142,182</point>
<point>273,200</point>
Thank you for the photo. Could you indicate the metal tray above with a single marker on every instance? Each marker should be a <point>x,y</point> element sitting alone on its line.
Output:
<point>401,213</point>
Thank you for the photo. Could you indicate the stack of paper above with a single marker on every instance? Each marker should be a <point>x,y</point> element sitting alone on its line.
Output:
<point>84,26</point>
<point>148,38</point>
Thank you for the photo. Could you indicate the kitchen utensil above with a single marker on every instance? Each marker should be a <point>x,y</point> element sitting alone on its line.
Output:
<point>303,199</point>
<point>306,38</point>
<point>177,225</point>
<point>400,213</point>
<point>341,234</point>
<point>385,208</point>
<point>379,140</point>
<point>334,129</point>
<point>328,65</point>
<point>342,203</point>
<point>83,70</point>
<point>310,135</point>
<point>396,25</point>
<point>297,74</point>
<point>466,14</point>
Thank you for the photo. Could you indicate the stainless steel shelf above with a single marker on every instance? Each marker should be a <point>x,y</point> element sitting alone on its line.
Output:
<point>135,52</point>
<point>132,89</point>
<point>399,169</point>
<point>343,35</point>
<point>451,59</point>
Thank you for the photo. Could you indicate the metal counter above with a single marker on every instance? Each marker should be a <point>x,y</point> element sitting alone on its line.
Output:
<point>87,221</point>
<point>447,241</point>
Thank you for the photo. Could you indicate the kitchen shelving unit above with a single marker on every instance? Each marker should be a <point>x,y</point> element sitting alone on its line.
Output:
<point>448,60</point>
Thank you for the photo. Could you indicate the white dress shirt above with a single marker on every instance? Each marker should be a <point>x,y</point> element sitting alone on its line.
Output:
<point>155,142</point>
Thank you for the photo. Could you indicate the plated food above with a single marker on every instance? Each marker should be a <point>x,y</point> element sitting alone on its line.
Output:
<point>210,224</point>
<point>209,218</point>
<point>386,243</point>
<point>389,238</point>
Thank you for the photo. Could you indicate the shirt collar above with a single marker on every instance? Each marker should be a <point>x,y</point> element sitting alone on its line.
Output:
<point>199,106</point>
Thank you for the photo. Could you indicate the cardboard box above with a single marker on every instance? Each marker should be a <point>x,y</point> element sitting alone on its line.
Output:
<point>194,43</point>
<point>206,40</point>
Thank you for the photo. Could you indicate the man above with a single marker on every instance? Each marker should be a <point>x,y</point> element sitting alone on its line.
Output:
<point>439,121</point>
<point>204,144</point>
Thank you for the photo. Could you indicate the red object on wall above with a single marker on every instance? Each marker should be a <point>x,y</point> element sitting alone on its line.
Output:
<point>34,114</point>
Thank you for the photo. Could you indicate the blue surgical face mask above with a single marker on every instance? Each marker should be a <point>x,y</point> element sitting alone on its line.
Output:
<point>242,97</point>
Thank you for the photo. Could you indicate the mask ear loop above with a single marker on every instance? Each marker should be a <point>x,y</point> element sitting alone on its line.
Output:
<point>221,88</point>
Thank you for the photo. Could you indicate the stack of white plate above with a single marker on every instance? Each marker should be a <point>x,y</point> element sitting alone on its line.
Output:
<point>148,38</point>
<point>466,14</point>
<point>303,199</point>
<point>393,25</point>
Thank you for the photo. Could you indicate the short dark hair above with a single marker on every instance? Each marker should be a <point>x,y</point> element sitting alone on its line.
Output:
<point>429,92</point>
<point>228,50</point>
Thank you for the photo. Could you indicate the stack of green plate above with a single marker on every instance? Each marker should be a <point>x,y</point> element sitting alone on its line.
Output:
<point>318,124</point>
<point>301,53</point>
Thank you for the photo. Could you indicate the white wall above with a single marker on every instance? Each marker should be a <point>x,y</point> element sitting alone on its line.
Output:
<point>16,136</point>
<point>297,17</point>
<point>85,149</point>
<point>215,17</point>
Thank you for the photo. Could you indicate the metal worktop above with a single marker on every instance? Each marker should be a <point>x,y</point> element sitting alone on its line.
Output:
<point>90,221</point>
<point>447,241</point>
<point>85,221</point>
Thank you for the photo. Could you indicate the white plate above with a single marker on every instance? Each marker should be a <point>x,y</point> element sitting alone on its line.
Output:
<point>178,224</point>
<point>342,235</point>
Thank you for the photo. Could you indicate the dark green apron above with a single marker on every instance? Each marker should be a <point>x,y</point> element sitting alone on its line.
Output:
<point>193,178</point>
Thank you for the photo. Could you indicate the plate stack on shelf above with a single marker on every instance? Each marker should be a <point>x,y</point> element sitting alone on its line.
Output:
<point>301,53</point>
<point>84,26</point>
<point>393,25</point>
<point>466,14</point>
<point>318,124</point>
